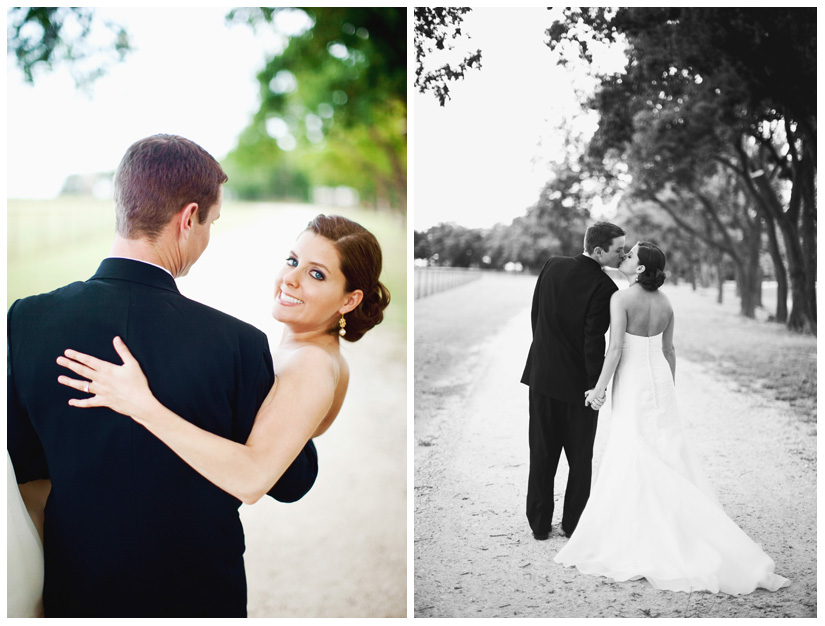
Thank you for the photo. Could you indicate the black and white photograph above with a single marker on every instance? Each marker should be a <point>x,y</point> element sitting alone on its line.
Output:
<point>615,262</point>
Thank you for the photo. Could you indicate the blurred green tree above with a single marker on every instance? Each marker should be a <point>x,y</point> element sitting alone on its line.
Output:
<point>41,38</point>
<point>333,103</point>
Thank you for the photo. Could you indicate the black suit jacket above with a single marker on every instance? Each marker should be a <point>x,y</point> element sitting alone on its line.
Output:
<point>131,530</point>
<point>570,316</point>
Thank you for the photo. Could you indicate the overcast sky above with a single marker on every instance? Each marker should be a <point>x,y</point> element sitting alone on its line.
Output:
<point>479,160</point>
<point>190,74</point>
<point>485,155</point>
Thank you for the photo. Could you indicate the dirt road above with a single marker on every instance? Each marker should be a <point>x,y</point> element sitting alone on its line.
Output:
<point>474,553</point>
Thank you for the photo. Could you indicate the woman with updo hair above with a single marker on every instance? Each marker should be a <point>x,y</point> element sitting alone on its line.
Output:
<point>652,513</point>
<point>328,289</point>
<point>652,260</point>
<point>360,257</point>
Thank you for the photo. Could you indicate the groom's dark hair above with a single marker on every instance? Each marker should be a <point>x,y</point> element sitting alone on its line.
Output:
<point>157,177</point>
<point>601,235</point>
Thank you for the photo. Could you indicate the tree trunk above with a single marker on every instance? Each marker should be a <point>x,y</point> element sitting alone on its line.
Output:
<point>752,286</point>
<point>803,196</point>
<point>802,317</point>
<point>779,271</point>
<point>808,175</point>
<point>803,291</point>
<point>748,285</point>
<point>720,281</point>
<point>748,278</point>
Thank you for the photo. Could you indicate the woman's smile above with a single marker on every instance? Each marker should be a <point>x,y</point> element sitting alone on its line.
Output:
<point>287,300</point>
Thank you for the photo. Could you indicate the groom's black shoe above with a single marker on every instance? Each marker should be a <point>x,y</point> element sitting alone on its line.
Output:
<point>566,533</point>
<point>541,536</point>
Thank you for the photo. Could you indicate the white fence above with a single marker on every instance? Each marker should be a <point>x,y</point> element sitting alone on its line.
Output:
<point>430,280</point>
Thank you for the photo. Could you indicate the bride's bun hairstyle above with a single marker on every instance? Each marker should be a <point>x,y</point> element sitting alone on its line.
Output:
<point>361,260</point>
<point>653,259</point>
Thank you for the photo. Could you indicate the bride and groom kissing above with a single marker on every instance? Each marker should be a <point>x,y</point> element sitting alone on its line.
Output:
<point>138,512</point>
<point>652,512</point>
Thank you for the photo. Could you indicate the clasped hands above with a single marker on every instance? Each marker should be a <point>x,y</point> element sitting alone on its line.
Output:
<point>594,400</point>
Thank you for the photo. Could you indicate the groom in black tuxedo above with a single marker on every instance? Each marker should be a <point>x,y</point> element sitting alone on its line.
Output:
<point>130,529</point>
<point>570,316</point>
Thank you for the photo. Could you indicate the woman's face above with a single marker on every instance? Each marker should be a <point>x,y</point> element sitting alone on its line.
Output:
<point>629,265</point>
<point>310,287</point>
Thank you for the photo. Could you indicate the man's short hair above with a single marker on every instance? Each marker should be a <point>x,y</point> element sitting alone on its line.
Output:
<point>601,235</point>
<point>157,177</point>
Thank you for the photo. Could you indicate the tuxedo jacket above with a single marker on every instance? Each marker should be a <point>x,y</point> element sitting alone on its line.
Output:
<point>570,316</point>
<point>131,530</point>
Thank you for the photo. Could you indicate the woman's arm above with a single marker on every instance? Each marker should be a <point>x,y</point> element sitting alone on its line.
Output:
<point>618,324</point>
<point>668,348</point>
<point>292,411</point>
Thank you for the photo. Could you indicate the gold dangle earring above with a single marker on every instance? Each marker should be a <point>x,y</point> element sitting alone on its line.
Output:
<point>342,323</point>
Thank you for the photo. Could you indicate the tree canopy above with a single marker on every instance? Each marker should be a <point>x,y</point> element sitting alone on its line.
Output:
<point>41,38</point>
<point>333,103</point>
<point>435,29</point>
<point>708,136</point>
<point>710,88</point>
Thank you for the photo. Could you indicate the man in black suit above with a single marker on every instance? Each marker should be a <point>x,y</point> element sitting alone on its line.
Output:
<point>130,529</point>
<point>570,316</point>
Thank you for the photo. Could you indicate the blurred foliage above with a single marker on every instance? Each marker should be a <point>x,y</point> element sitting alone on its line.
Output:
<point>259,170</point>
<point>554,225</point>
<point>333,102</point>
<point>434,28</point>
<point>451,245</point>
<point>333,107</point>
<point>41,38</point>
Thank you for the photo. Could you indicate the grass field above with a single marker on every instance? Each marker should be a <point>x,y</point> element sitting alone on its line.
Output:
<point>54,242</point>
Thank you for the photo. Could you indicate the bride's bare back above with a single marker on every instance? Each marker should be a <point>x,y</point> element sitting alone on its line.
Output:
<point>649,313</point>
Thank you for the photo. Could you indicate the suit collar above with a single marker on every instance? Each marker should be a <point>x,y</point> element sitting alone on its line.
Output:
<point>586,259</point>
<point>136,272</point>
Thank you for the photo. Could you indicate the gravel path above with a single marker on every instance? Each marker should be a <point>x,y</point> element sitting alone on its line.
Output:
<point>474,553</point>
<point>341,551</point>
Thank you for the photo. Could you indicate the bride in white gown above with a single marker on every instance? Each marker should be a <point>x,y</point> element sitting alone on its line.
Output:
<point>652,513</point>
<point>24,573</point>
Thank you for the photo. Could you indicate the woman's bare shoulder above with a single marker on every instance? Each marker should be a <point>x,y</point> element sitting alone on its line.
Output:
<point>665,301</point>
<point>622,297</point>
<point>306,359</point>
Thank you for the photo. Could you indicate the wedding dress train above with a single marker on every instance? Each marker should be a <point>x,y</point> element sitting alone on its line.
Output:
<point>24,573</point>
<point>652,513</point>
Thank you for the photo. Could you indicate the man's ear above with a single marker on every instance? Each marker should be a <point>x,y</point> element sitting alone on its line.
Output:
<point>353,299</point>
<point>186,218</point>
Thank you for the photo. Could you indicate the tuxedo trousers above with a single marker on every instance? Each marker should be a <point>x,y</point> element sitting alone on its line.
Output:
<point>556,425</point>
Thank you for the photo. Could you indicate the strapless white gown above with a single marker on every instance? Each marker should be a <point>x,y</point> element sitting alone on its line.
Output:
<point>24,573</point>
<point>652,512</point>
